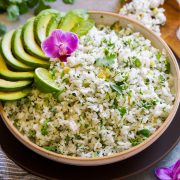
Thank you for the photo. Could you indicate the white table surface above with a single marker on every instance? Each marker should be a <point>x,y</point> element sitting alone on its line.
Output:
<point>106,5</point>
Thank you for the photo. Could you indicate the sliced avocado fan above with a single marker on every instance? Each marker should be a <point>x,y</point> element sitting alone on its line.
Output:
<point>29,42</point>
<point>72,18</point>
<point>54,23</point>
<point>6,52</point>
<point>11,75</point>
<point>22,55</point>
<point>11,96</point>
<point>13,85</point>
<point>21,50</point>
<point>40,25</point>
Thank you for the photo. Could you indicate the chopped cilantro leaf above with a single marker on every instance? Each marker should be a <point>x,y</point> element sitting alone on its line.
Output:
<point>137,62</point>
<point>135,141</point>
<point>44,129</point>
<point>167,66</point>
<point>122,111</point>
<point>50,148</point>
<point>148,104</point>
<point>161,79</point>
<point>108,60</point>
<point>119,88</point>
<point>31,133</point>
<point>144,132</point>
<point>158,55</point>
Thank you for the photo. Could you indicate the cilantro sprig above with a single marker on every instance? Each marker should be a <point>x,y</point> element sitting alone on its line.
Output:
<point>14,8</point>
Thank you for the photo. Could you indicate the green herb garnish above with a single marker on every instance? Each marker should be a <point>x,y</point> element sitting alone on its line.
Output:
<point>68,1</point>
<point>107,60</point>
<point>167,66</point>
<point>122,111</point>
<point>137,62</point>
<point>148,104</point>
<point>144,132</point>
<point>44,129</point>
<point>50,148</point>
<point>158,55</point>
<point>119,88</point>
<point>15,8</point>
<point>135,141</point>
<point>161,79</point>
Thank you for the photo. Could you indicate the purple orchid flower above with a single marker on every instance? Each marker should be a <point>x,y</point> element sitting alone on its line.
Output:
<point>60,44</point>
<point>171,173</point>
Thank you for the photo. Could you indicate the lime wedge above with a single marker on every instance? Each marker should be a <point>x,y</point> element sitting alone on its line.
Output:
<point>44,81</point>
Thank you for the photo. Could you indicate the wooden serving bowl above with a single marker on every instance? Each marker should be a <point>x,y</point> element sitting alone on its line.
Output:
<point>108,18</point>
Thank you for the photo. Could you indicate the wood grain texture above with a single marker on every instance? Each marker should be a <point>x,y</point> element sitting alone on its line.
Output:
<point>168,31</point>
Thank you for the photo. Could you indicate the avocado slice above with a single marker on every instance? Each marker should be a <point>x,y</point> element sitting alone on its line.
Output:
<point>53,23</point>
<point>13,85</point>
<point>29,42</point>
<point>22,55</point>
<point>40,25</point>
<point>11,75</point>
<point>72,18</point>
<point>6,52</point>
<point>11,96</point>
<point>47,11</point>
<point>83,27</point>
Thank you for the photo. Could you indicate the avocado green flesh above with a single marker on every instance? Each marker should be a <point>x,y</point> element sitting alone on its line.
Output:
<point>48,11</point>
<point>6,52</point>
<point>53,23</point>
<point>83,27</point>
<point>22,55</point>
<point>40,25</point>
<point>13,85</point>
<point>68,22</point>
<point>29,42</point>
<point>10,96</point>
<point>11,75</point>
<point>71,19</point>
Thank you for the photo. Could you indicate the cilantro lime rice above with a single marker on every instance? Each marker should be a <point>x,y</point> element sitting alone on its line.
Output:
<point>117,91</point>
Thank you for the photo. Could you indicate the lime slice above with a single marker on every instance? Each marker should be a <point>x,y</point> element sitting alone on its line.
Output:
<point>44,81</point>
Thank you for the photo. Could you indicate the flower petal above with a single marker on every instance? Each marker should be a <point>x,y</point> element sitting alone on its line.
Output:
<point>57,35</point>
<point>176,170</point>
<point>71,40</point>
<point>49,47</point>
<point>164,173</point>
<point>60,44</point>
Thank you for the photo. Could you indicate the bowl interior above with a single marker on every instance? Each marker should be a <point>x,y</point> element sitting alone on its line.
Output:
<point>108,19</point>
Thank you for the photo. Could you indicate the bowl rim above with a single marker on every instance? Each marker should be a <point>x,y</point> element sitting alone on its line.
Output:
<point>117,156</point>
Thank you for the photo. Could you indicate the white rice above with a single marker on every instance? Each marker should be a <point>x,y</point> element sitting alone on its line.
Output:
<point>89,118</point>
<point>147,12</point>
